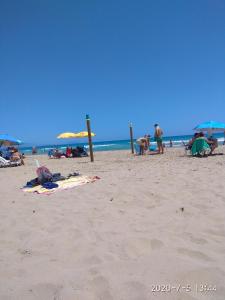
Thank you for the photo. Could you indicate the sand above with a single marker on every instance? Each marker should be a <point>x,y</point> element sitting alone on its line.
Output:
<point>151,228</point>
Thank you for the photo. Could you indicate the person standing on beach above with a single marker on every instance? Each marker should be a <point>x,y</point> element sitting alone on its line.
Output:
<point>158,138</point>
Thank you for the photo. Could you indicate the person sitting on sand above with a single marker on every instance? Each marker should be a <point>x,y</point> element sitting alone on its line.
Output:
<point>213,143</point>
<point>58,154</point>
<point>54,153</point>
<point>158,138</point>
<point>68,152</point>
<point>190,143</point>
<point>51,153</point>
<point>75,152</point>
<point>16,156</point>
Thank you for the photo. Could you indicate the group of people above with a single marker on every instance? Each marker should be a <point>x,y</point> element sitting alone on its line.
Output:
<point>70,152</point>
<point>144,142</point>
<point>211,143</point>
<point>12,154</point>
<point>76,152</point>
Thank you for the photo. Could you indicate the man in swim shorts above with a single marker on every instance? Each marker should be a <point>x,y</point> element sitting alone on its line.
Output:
<point>158,138</point>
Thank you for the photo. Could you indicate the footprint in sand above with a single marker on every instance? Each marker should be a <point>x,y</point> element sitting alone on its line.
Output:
<point>183,297</point>
<point>199,241</point>
<point>156,244</point>
<point>140,247</point>
<point>93,260</point>
<point>93,271</point>
<point>194,254</point>
<point>99,286</point>
<point>46,291</point>
<point>216,232</point>
<point>25,252</point>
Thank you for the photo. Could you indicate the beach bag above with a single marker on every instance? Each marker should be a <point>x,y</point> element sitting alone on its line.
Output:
<point>44,175</point>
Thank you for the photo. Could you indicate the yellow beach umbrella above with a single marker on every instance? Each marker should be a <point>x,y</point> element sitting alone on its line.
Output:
<point>83,134</point>
<point>66,135</point>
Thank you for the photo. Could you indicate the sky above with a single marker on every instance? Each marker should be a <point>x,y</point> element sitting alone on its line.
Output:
<point>142,61</point>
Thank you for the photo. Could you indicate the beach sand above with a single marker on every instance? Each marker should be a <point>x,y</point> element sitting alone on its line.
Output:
<point>149,222</point>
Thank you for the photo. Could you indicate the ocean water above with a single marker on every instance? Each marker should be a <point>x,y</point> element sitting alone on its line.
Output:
<point>114,145</point>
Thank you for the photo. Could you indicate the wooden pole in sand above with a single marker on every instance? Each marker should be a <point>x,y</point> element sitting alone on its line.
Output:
<point>131,138</point>
<point>89,137</point>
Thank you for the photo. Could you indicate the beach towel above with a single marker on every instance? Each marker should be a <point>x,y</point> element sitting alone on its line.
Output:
<point>62,185</point>
<point>200,147</point>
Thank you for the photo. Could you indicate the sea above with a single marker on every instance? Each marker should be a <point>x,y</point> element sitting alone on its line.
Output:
<point>177,141</point>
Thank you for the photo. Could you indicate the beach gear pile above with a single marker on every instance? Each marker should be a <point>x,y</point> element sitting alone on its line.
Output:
<point>48,183</point>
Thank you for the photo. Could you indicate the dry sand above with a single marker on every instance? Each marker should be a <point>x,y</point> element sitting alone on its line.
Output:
<point>150,221</point>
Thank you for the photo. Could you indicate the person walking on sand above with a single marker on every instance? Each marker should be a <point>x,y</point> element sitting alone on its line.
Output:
<point>158,138</point>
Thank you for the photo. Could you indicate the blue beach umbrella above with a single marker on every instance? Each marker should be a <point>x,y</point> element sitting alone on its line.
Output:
<point>8,140</point>
<point>210,127</point>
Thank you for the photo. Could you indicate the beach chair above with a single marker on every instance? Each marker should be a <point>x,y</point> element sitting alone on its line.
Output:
<point>187,148</point>
<point>200,147</point>
<point>7,163</point>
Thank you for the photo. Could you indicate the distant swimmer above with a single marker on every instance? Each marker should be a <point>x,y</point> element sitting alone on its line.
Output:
<point>171,144</point>
<point>34,150</point>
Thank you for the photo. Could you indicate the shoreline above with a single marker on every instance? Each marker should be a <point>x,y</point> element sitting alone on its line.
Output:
<point>109,145</point>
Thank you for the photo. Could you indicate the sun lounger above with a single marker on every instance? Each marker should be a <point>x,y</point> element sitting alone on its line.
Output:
<point>7,163</point>
<point>187,148</point>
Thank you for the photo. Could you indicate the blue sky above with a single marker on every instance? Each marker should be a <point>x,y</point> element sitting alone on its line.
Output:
<point>123,60</point>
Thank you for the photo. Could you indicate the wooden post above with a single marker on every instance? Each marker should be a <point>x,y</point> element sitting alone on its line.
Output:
<point>89,137</point>
<point>131,139</point>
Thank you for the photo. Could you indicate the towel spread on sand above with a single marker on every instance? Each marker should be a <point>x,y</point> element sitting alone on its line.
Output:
<point>62,185</point>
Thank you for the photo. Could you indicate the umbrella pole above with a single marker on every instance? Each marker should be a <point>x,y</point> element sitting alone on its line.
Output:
<point>209,131</point>
<point>131,139</point>
<point>89,137</point>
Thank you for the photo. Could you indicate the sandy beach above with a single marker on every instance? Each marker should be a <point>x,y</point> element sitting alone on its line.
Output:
<point>151,228</point>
